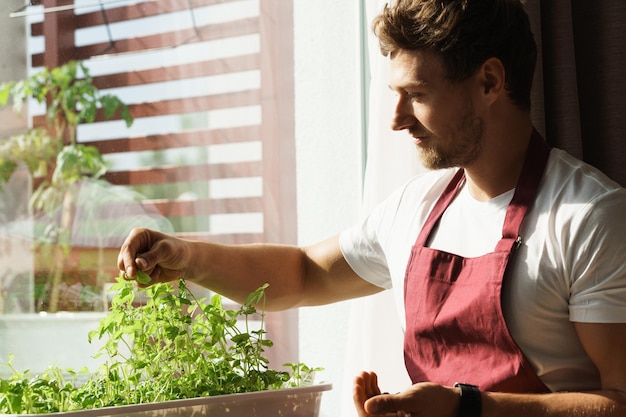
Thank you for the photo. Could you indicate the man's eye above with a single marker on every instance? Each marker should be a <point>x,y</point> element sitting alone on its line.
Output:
<point>415,96</point>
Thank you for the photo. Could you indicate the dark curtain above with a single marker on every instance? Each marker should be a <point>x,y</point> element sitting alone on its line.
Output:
<point>579,94</point>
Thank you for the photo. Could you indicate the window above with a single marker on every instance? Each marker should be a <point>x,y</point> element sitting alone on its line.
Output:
<point>210,154</point>
<point>316,173</point>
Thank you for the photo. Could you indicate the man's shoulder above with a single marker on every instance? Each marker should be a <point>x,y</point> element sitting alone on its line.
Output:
<point>574,192</point>
<point>568,176</point>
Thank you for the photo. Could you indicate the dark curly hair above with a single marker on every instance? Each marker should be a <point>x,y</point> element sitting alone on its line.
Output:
<point>465,33</point>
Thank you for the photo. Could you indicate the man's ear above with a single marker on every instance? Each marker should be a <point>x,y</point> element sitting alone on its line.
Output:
<point>492,76</point>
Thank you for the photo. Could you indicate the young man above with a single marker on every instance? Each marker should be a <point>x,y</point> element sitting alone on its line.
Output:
<point>508,257</point>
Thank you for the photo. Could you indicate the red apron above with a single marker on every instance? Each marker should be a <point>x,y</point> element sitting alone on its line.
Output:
<point>455,328</point>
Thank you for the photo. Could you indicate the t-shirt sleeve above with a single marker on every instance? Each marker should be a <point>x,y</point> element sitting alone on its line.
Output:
<point>362,251</point>
<point>378,248</point>
<point>363,245</point>
<point>598,258</point>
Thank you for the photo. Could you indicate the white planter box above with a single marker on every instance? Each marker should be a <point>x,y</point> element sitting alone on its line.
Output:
<point>289,402</point>
<point>41,340</point>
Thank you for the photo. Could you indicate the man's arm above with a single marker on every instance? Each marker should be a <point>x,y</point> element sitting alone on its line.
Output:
<point>605,344</point>
<point>312,275</point>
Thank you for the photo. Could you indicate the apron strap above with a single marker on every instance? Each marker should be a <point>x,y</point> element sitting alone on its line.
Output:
<point>525,192</point>
<point>440,206</point>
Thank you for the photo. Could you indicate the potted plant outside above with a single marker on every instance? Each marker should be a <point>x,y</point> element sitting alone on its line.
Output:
<point>64,284</point>
<point>56,162</point>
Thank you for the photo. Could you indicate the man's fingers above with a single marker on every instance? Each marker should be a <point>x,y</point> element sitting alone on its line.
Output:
<point>368,383</point>
<point>137,243</point>
<point>142,263</point>
<point>381,404</point>
<point>126,257</point>
<point>365,386</point>
<point>373,384</point>
<point>125,262</point>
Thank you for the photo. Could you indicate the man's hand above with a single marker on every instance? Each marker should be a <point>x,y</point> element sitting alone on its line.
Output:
<point>365,387</point>
<point>163,257</point>
<point>420,400</point>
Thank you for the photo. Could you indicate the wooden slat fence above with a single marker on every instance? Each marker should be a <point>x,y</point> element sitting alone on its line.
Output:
<point>191,124</point>
<point>208,80</point>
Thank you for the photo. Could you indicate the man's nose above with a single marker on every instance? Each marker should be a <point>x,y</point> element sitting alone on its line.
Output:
<point>403,117</point>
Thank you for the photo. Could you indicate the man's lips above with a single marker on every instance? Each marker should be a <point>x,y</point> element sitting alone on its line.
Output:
<point>419,139</point>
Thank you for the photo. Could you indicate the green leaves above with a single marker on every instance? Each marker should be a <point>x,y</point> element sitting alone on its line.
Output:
<point>5,92</point>
<point>75,162</point>
<point>51,392</point>
<point>71,99</point>
<point>35,148</point>
<point>110,105</point>
<point>143,278</point>
<point>172,347</point>
<point>70,94</point>
<point>256,296</point>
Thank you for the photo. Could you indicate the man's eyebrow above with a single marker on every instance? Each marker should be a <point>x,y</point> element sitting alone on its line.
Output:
<point>420,82</point>
<point>411,84</point>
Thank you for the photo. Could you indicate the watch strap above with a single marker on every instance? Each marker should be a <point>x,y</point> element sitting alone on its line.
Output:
<point>470,404</point>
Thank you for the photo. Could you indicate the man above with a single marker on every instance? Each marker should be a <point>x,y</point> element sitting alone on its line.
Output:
<point>511,270</point>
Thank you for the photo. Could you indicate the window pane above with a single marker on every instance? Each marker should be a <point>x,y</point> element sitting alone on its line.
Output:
<point>210,152</point>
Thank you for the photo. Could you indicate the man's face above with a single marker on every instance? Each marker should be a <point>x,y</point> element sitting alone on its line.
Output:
<point>437,112</point>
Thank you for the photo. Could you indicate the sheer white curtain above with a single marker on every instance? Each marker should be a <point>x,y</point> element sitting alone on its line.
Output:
<point>375,330</point>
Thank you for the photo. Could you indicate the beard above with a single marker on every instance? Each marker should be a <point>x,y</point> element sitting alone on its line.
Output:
<point>461,146</point>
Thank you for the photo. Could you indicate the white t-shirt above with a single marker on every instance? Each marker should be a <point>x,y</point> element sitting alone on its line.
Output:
<point>571,266</point>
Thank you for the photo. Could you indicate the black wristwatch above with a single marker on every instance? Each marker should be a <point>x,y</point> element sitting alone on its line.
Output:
<point>470,404</point>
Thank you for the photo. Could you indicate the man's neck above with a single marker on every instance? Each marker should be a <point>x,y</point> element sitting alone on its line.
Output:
<point>499,166</point>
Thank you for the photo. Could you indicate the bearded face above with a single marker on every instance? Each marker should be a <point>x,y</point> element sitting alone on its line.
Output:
<point>437,112</point>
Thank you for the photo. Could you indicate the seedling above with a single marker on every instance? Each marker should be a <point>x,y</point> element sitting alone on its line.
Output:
<point>143,278</point>
<point>174,346</point>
